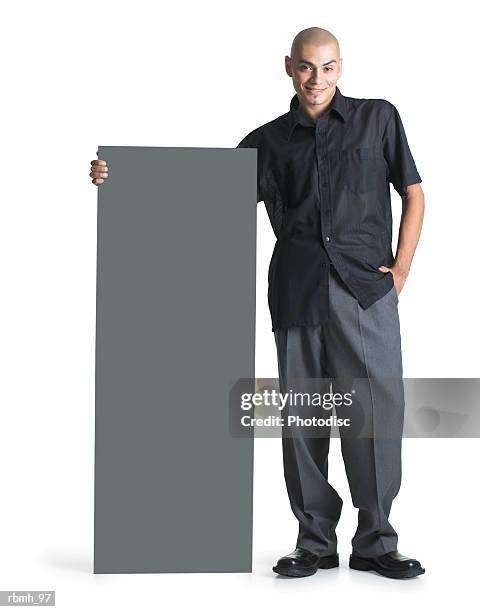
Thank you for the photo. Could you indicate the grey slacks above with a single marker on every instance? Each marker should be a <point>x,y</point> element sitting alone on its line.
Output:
<point>354,343</point>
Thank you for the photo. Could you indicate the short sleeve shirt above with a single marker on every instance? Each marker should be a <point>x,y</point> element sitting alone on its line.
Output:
<point>326,188</point>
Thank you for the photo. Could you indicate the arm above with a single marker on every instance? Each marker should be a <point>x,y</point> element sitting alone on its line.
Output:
<point>413,207</point>
<point>404,177</point>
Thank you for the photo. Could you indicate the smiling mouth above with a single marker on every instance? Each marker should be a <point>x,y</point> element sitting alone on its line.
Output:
<point>313,90</point>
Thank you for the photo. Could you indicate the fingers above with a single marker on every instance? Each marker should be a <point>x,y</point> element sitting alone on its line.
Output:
<point>99,171</point>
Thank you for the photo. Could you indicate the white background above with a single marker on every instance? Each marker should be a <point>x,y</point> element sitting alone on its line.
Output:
<point>81,74</point>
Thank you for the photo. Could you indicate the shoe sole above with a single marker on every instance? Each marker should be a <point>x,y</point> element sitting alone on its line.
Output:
<point>366,566</point>
<point>292,572</point>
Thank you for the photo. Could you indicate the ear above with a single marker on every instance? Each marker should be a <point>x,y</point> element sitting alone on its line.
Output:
<point>340,66</point>
<point>288,65</point>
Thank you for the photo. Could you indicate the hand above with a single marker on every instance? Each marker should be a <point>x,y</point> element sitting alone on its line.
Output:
<point>399,276</point>
<point>98,171</point>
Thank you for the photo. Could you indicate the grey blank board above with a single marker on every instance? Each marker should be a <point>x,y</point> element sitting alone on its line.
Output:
<point>175,329</point>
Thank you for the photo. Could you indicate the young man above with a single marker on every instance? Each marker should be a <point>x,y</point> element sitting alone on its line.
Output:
<point>324,170</point>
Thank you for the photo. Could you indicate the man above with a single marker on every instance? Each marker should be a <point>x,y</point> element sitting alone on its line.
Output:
<point>324,170</point>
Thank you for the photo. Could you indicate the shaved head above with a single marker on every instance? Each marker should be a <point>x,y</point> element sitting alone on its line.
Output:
<point>313,36</point>
<point>315,66</point>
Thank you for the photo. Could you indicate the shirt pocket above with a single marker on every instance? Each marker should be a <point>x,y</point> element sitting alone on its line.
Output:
<point>363,170</point>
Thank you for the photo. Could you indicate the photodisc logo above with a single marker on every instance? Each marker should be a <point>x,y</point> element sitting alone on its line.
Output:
<point>417,407</point>
<point>313,407</point>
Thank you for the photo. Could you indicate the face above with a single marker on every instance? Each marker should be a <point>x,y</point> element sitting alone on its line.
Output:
<point>314,71</point>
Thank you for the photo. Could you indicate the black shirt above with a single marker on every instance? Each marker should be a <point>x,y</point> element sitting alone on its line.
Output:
<point>325,185</point>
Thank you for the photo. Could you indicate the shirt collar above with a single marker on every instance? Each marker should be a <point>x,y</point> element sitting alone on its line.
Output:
<point>296,114</point>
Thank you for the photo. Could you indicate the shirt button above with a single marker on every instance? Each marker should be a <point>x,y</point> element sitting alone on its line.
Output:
<point>327,238</point>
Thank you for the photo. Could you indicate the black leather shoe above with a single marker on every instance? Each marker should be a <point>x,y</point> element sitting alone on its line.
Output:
<point>302,562</point>
<point>391,565</point>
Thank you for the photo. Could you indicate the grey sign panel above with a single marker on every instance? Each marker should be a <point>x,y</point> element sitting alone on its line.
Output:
<point>175,329</point>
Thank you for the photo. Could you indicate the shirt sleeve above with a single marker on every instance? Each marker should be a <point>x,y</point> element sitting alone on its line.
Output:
<point>401,165</point>
<point>267,191</point>
<point>249,143</point>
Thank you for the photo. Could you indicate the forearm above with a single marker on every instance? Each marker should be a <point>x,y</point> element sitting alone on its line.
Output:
<point>413,207</point>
